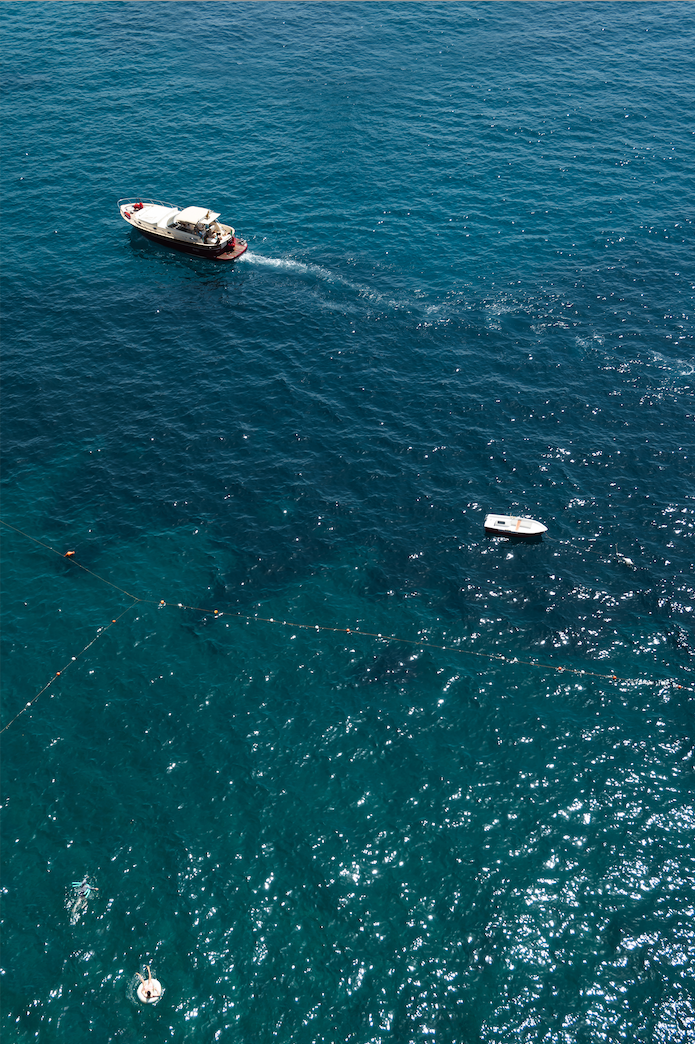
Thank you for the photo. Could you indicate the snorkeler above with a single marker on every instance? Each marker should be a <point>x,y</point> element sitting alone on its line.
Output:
<point>84,888</point>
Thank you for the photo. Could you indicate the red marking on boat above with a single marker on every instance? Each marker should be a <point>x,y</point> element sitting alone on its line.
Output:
<point>239,246</point>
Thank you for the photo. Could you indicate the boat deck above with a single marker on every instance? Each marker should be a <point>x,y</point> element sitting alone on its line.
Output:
<point>239,246</point>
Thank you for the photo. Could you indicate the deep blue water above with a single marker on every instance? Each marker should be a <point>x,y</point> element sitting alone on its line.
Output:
<point>469,288</point>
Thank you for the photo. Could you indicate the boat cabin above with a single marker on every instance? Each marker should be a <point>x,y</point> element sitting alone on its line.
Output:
<point>198,221</point>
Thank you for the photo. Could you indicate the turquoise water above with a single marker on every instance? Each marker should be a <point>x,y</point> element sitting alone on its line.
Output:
<point>469,288</point>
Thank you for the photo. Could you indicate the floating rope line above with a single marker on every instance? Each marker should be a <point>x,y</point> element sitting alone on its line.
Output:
<point>216,614</point>
<point>102,630</point>
<point>424,644</point>
<point>421,643</point>
<point>70,555</point>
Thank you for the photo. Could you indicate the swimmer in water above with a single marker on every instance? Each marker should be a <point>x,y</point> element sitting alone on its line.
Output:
<point>76,903</point>
<point>84,888</point>
<point>149,990</point>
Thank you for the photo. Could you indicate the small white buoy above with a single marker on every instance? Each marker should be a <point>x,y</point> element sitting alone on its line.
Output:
<point>149,990</point>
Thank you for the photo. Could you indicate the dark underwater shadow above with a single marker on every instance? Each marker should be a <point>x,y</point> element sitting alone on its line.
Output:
<point>165,261</point>
<point>516,538</point>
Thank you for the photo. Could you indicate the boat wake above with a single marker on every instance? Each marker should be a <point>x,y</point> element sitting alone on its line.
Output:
<point>286,264</point>
<point>374,297</point>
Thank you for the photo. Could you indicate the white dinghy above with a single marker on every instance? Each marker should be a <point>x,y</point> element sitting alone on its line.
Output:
<point>509,525</point>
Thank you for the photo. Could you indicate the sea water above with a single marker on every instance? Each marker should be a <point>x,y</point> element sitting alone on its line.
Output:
<point>343,769</point>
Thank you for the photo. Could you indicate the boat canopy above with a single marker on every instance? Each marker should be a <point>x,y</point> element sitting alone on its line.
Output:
<point>197,214</point>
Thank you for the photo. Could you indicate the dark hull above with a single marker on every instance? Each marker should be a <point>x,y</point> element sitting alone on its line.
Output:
<point>225,253</point>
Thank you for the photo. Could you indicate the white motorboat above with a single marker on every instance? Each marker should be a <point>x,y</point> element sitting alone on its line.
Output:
<point>510,525</point>
<point>194,230</point>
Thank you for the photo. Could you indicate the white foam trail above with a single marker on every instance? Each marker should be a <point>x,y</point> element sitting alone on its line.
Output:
<point>317,271</point>
<point>288,265</point>
<point>438,310</point>
<point>681,367</point>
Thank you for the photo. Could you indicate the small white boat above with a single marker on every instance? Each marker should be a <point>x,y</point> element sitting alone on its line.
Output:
<point>193,230</point>
<point>509,525</point>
